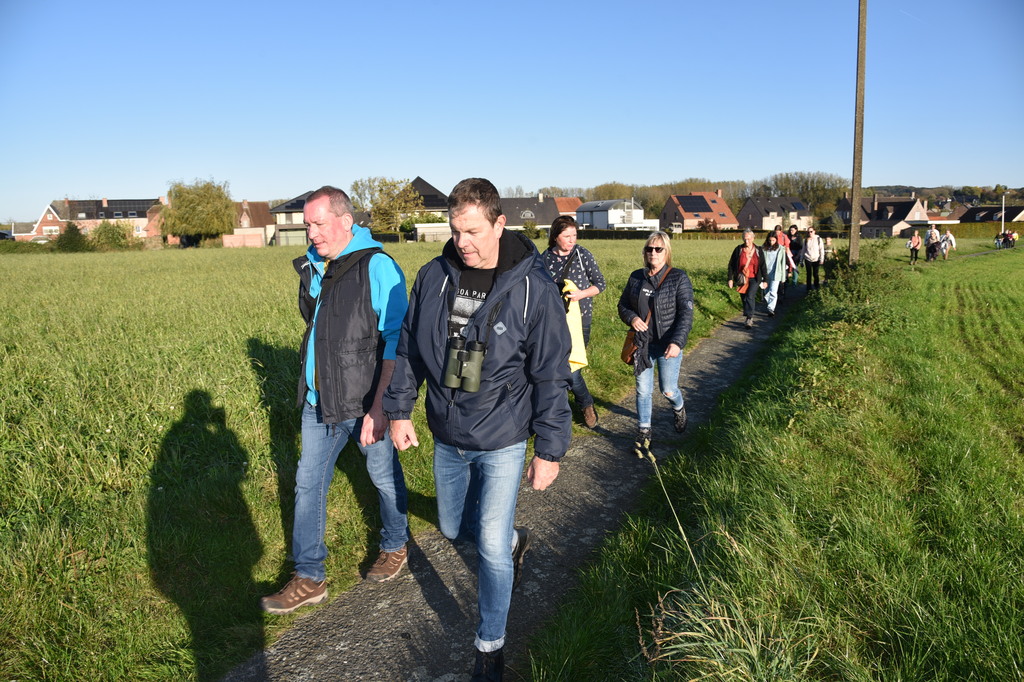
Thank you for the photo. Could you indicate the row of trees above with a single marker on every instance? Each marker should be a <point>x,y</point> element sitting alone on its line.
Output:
<point>204,208</point>
<point>820,190</point>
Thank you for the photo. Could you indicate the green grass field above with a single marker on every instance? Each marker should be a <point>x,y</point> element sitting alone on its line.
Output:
<point>149,441</point>
<point>854,507</point>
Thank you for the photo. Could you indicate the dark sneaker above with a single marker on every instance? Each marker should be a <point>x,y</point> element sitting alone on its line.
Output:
<point>771,313</point>
<point>489,666</point>
<point>590,416</point>
<point>297,593</point>
<point>642,446</point>
<point>518,557</point>
<point>388,565</point>
<point>680,419</point>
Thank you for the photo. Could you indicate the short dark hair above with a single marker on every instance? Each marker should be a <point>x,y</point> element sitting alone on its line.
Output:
<point>560,224</point>
<point>340,203</point>
<point>475,192</point>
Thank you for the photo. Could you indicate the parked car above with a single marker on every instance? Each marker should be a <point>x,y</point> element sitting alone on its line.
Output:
<point>6,235</point>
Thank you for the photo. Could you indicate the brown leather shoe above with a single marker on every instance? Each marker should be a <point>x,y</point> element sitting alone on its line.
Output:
<point>590,416</point>
<point>298,592</point>
<point>387,565</point>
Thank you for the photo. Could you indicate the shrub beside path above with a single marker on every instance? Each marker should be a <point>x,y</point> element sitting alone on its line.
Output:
<point>420,626</point>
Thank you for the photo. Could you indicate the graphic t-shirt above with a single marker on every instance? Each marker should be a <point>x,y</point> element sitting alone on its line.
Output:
<point>474,285</point>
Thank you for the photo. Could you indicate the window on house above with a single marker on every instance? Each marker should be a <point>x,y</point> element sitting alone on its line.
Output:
<point>714,201</point>
<point>81,216</point>
<point>133,214</point>
<point>696,215</point>
<point>102,214</point>
<point>138,229</point>
<point>722,215</point>
<point>118,214</point>
<point>51,230</point>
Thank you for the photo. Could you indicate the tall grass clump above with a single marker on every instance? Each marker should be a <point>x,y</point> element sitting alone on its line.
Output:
<point>854,506</point>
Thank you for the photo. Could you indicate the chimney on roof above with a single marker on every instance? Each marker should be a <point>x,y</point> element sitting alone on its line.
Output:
<point>719,192</point>
<point>163,200</point>
<point>540,197</point>
<point>913,194</point>
<point>104,202</point>
<point>245,204</point>
<point>874,202</point>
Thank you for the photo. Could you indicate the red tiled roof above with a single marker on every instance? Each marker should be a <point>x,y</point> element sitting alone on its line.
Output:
<point>567,204</point>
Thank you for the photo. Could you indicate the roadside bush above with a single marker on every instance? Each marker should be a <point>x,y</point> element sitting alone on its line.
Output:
<point>409,224</point>
<point>861,293</point>
<point>71,240</point>
<point>11,246</point>
<point>530,229</point>
<point>116,236</point>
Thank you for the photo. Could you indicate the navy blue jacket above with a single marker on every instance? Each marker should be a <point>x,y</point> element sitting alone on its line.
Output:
<point>525,375</point>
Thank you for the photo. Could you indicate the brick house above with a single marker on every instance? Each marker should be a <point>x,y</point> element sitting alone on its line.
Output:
<point>886,216</point>
<point>686,212</point>
<point>142,214</point>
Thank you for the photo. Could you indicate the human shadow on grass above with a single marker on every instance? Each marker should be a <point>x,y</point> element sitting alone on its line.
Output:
<point>277,371</point>
<point>202,541</point>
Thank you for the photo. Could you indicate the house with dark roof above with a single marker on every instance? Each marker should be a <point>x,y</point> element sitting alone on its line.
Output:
<point>434,200</point>
<point>541,210</point>
<point>993,214</point>
<point>689,211</point>
<point>142,214</point>
<point>886,216</point>
<point>764,213</point>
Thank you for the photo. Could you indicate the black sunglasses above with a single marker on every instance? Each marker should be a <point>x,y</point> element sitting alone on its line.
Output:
<point>653,249</point>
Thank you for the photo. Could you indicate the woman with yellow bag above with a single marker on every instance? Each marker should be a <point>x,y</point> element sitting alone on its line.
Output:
<point>576,273</point>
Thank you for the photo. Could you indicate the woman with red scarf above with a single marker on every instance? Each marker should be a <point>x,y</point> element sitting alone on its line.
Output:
<point>747,271</point>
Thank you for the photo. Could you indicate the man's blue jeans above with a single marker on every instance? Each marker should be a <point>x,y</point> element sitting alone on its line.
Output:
<point>490,504</point>
<point>668,382</point>
<point>321,445</point>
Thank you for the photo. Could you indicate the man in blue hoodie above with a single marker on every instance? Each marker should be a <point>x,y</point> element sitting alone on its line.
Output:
<point>486,330</point>
<point>352,298</point>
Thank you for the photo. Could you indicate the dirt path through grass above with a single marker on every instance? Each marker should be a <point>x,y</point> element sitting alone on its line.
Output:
<point>420,626</point>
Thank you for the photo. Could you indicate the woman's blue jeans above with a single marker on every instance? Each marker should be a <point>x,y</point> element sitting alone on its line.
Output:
<point>321,445</point>
<point>668,382</point>
<point>484,486</point>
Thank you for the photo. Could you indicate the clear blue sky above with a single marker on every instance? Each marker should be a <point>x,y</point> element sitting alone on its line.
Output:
<point>118,99</point>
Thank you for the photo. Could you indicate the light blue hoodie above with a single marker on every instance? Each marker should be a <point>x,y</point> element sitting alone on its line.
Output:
<point>387,298</point>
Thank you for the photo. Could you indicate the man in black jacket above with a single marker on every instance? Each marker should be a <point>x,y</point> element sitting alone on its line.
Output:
<point>486,330</point>
<point>352,298</point>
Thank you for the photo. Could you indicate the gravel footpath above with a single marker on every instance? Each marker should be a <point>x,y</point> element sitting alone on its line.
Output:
<point>420,626</point>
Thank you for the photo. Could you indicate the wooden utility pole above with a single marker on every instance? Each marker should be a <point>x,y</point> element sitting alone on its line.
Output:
<point>858,135</point>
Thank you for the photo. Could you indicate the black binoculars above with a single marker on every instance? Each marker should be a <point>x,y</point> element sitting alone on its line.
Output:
<point>465,360</point>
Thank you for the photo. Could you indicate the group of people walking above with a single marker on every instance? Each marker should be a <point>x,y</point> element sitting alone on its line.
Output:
<point>498,333</point>
<point>771,267</point>
<point>934,244</point>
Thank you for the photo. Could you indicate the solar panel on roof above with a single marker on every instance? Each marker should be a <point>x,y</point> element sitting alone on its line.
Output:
<point>798,205</point>
<point>695,204</point>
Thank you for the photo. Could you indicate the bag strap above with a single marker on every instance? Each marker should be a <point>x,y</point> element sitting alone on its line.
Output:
<point>660,282</point>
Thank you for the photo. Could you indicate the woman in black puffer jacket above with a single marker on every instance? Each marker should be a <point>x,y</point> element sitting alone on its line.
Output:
<point>657,304</point>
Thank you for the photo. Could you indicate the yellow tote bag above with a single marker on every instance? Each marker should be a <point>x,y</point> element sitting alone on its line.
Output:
<point>574,318</point>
